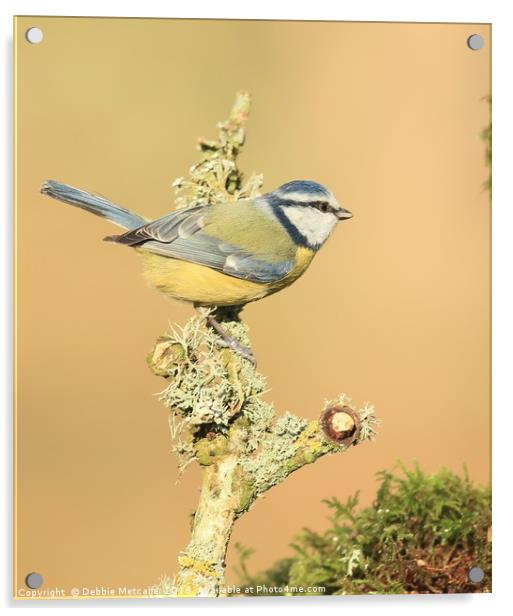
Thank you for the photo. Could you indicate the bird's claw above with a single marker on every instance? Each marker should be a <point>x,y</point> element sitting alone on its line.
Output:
<point>228,341</point>
<point>237,348</point>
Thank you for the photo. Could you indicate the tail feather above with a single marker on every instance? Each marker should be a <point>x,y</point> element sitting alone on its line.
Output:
<point>92,203</point>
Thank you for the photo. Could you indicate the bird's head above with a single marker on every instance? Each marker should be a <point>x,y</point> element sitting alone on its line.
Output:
<point>308,210</point>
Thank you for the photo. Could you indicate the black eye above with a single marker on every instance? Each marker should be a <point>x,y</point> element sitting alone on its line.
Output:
<point>324,207</point>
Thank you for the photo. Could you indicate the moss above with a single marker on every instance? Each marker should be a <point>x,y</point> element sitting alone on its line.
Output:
<point>422,534</point>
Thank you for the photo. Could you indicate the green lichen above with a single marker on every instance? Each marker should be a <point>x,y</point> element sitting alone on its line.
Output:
<point>289,425</point>
<point>208,385</point>
<point>210,450</point>
<point>293,442</point>
<point>268,466</point>
<point>244,488</point>
<point>261,416</point>
<point>199,566</point>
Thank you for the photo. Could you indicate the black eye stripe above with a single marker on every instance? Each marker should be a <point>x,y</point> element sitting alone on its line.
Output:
<point>324,206</point>
<point>321,205</point>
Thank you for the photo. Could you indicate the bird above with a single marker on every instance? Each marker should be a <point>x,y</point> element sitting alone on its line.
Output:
<point>223,255</point>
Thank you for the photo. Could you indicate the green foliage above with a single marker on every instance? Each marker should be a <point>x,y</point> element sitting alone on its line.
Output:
<point>422,534</point>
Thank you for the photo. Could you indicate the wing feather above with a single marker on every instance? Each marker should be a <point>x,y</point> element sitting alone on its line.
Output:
<point>230,260</point>
<point>181,223</point>
<point>180,235</point>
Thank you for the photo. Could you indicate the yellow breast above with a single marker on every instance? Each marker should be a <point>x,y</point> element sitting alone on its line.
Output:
<point>202,285</point>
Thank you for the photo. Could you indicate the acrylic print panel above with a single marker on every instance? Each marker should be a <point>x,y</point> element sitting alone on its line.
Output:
<point>151,454</point>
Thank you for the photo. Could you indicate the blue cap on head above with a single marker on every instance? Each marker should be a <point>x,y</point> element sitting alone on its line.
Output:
<point>308,187</point>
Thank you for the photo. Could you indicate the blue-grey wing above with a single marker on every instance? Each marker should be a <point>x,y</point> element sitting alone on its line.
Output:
<point>179,235</point>
<point>180,223</point>
<point>227,258</point>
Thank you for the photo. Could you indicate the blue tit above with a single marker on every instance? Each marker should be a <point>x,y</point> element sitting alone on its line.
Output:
<point>223,254</point>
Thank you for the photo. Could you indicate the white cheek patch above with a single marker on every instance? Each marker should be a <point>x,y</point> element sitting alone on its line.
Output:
<point>313,224</point>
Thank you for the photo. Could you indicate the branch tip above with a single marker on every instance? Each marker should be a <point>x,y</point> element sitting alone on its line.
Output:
<point>340,424</point>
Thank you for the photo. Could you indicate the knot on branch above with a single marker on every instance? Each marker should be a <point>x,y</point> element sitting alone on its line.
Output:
<point>340,424</point>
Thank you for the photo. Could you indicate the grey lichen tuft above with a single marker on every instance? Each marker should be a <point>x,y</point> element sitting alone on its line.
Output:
<point>267,466</point>
<point>369,422</point>
<point>206,384</point>
<point>290,425</point>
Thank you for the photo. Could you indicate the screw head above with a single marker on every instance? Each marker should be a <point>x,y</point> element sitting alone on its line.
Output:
<point>33,580</point>
<point>476,575</point>
<point>475,42</point>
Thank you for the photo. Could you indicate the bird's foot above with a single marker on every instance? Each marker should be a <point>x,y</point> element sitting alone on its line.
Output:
<point>228,341</point>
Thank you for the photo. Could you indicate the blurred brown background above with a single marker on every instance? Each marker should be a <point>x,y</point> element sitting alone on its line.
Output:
<point>394,310</point>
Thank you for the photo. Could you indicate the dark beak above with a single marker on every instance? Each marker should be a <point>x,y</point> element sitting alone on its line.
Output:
<point>343,214</point>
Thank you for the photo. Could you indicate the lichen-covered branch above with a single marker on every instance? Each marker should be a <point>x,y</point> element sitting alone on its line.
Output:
<point>217,415</point>
<point>216,178</point>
